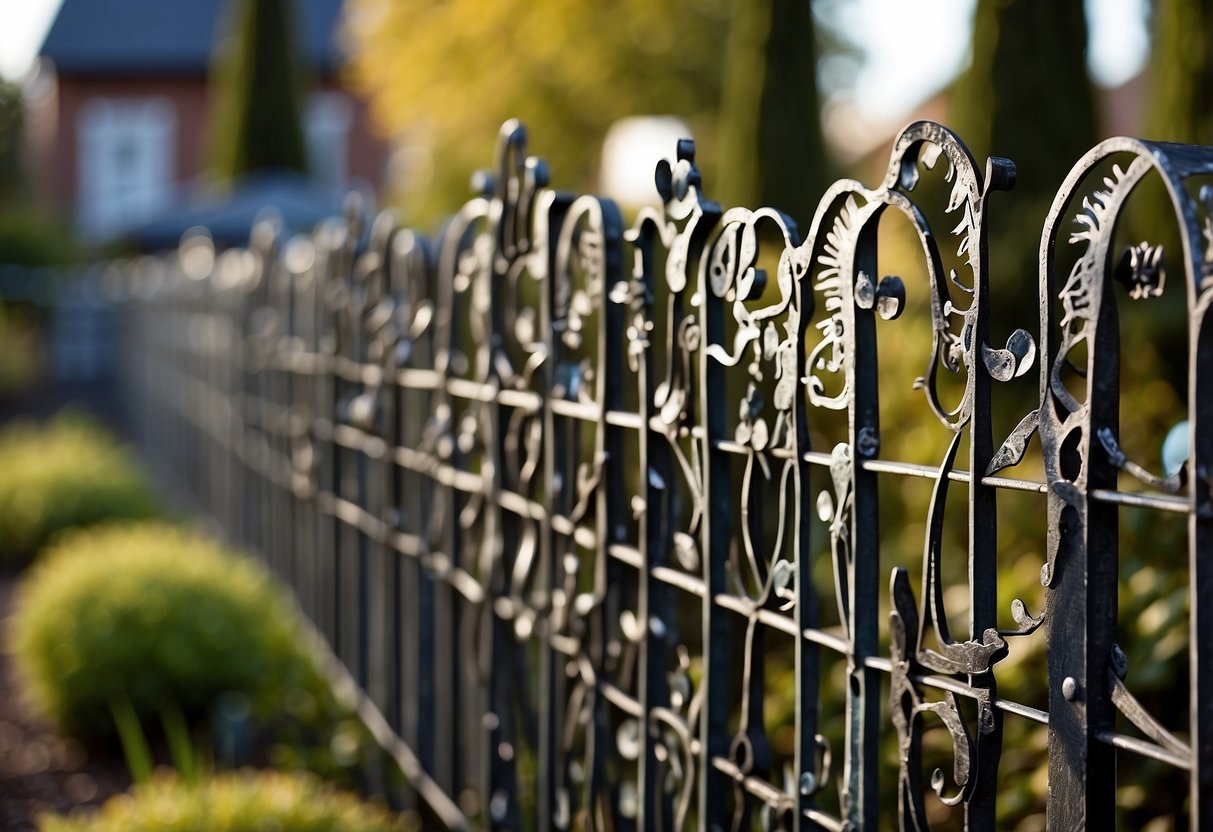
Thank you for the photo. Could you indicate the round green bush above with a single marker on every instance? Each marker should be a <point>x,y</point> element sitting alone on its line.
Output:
<point>155,615</point>
<point>240,802</point>
<point>68,472</point>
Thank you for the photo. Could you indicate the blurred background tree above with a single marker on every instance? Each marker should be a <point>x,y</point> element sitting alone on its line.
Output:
<point>445,75</point>
<point>26,237</point>
<point>12,126</point>
<point>259,111</point>
<point>769,129</point>
<point>1180,106</point>
<point>1026,96</point>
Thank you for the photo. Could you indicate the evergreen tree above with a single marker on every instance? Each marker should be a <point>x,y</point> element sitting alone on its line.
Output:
<point>1180,105</point>
<point>1026,96</point>
<point>12,127</point>
<point>772,151</point>
<point>258,91</point>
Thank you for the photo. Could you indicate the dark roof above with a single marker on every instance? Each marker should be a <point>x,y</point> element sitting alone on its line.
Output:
<point>298,202</point>
<point>167,36</point>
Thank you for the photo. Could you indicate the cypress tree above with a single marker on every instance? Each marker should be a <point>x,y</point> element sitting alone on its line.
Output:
<point>771,147</point>
<point>1026,96</point>
<point>258,121</point>
<point>12,133</point>
<point>1180,104</point>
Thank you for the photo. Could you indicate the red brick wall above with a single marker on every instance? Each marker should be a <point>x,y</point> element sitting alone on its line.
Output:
<point>54,121</point>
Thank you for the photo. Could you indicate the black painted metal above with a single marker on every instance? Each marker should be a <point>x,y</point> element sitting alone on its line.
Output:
<point>546,485</point>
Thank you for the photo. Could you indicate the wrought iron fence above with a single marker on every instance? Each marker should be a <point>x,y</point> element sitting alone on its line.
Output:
<point>597,513</point>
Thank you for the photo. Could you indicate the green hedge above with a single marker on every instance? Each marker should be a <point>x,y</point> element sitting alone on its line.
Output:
<point>241,802</point>
<point>69,472</point>
<point>153,615</point>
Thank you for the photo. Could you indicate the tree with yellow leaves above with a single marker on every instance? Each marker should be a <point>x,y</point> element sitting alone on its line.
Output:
<point>445,74</point>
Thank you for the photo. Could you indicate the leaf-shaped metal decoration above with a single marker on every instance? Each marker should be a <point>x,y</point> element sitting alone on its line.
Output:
<point>782,573</point>
<point>1016,445</point>
<point>686,551</point>
<point>1013,361</point>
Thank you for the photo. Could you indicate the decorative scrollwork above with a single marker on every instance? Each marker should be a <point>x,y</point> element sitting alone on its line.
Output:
<point>561,474</point>
<point>958,347</point>
<point>681,229</point>
<point>836,511</point>
<point>829,355</point>
<point>908,709</point>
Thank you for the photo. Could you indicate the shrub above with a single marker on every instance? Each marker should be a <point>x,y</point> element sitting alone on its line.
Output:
<point>70,472</point>
<point>240,802</point>
<point>156,616</point>
<point>29,239</point>
<point>20,352</point>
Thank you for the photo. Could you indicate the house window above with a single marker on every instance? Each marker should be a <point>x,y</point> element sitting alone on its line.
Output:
<point>328,128</point>
<point>126,157</point>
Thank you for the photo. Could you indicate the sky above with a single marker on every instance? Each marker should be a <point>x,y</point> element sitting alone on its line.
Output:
<point>910,50</point>
<point>889,81</point>
<point>23,24</point>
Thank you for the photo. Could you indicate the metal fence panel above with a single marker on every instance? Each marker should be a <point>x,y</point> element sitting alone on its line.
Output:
<point>548,485</point>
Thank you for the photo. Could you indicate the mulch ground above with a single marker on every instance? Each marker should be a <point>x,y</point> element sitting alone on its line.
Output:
<point>39,770</point>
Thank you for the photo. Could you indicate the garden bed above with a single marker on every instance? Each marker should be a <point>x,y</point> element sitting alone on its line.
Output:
<point>41,771</point>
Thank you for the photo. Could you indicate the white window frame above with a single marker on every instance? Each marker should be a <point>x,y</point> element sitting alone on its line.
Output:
<point>109,197</point>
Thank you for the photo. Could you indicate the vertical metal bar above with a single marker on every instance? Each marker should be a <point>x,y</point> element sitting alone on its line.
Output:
<point>455,720</point>
<point>612,507</point>
<point>377,352</point>
<point>327,463</point>
<point>654,535</point>
<point>863,698</point>
<point>1200,563</point>
<point>807,654</point>
<point>498,544</point>
<point>555,208</point>
<point>983,545</point>
<point>717,633</point>
<point>304,452</point>
<point>1082,610</point>
<point>1083,539</point>
<point>429,526</point>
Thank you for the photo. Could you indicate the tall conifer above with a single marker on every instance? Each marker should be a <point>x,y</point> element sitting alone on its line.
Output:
<point>257,93</point>
<point>771,147</point>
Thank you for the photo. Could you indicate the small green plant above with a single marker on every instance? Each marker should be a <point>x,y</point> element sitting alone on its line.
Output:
<point>69,472</point>
<point>150,619</point>
<point>245,801</point>
<point>134,741</point>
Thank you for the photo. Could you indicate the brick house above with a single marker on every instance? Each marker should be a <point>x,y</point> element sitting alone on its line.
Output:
<point>117,114</point>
